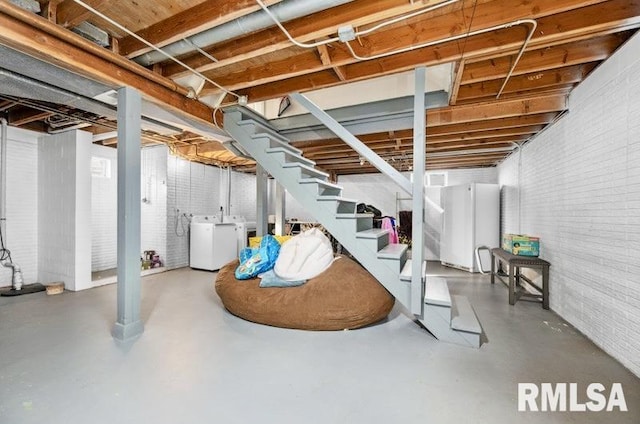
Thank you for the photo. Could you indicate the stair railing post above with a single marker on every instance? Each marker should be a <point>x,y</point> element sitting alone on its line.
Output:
<point>417,220</point>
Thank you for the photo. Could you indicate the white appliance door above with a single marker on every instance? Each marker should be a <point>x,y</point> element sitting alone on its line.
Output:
<point>201,246</point>
<point>225,242</point>
<point>457,228</point>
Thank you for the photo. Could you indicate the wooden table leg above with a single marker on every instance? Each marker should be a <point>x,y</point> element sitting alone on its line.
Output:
<point>493,269</point>
<point>545,287</point>
<point>512,285</point>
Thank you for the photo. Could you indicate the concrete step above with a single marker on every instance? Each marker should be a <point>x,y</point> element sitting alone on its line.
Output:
<point>463,317</point>
<point>288,155</point>
<point>436,292</point>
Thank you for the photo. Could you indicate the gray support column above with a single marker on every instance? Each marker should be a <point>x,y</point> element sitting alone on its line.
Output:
<point>128,324</point>
<point>262,202</point>
<point>419,159</point>
<point>281,194</point>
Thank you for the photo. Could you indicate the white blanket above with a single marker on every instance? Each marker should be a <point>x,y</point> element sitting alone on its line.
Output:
<point>304,256</point>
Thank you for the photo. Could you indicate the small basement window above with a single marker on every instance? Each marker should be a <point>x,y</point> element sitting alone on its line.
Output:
<point>436,179</point>
<point>100,167</point>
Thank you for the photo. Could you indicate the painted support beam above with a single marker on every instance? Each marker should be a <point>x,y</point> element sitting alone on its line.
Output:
<point>280,209</point>
<point>262,211</point>
<point>417,224</point>
<point>128,324</point>
<point>357,145</point>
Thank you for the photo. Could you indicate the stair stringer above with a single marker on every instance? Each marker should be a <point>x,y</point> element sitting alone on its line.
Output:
<point>323,211</point>
<point>438,319</point>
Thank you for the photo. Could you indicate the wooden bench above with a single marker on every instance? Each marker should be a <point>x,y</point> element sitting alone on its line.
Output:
<point>516,263</point>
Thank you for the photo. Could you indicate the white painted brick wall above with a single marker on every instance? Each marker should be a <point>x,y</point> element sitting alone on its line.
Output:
<point>192,189</point>
<point>580,192</point>
<point>243,195</point>
<point>154,210</point>
<point>21,236</point>
<point>104,212</point>
<point>64,209</point>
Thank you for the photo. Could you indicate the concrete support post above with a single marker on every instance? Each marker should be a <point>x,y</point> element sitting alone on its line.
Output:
<point>419,159</point>
<point>262,203</point>
<point>128,324</point>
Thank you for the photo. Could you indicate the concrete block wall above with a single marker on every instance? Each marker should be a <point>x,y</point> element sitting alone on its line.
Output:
<point>64,209</point>
<point>21,236</point>
<point>104,211</point>
<point>580,192</point>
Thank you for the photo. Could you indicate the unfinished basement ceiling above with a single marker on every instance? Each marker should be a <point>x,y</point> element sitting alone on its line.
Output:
<point>253,57</point>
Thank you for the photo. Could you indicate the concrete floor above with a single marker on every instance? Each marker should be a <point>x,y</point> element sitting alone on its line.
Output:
<point>196,363</point>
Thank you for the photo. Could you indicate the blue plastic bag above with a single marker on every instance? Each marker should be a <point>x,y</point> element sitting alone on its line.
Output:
<point>257,261</point>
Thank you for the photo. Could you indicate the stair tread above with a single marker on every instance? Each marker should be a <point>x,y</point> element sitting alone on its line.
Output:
<point>246,111</point>
<point>392,251</point>
<point>337,198</point>
<point>407,270</point>
<point>290,152</point>
<point>277,137</point>
<point>372,233</point>
<point>320,182</point>
<point>353,215</point>
<point>309,168</point>
<point>463,316</point>
<point>436,292</point>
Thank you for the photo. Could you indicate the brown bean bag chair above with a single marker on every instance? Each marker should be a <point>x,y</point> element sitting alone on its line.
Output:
<point>345,296</point>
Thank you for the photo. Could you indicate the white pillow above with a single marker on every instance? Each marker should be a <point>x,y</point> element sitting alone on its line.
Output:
<point>304,256</point>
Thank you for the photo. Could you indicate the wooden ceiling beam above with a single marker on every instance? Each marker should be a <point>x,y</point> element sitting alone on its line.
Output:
<point>515,123</point>
<point>493,43</point>
<point>490,124</point>
<point>204,16</point>
<point>544,59</point>
<point>45,41</point>
<point>69,13</point>
<point>358,13</point>
<point>497,109</point>
<point>20,115</point>
<point>392,144</point>
<point>541,79</point>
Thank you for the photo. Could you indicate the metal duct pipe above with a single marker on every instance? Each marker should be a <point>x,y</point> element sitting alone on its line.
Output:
<point>3,175</point>
<point>284,11</point>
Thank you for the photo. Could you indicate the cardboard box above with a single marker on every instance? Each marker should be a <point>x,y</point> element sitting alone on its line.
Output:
<point>521,244</point>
